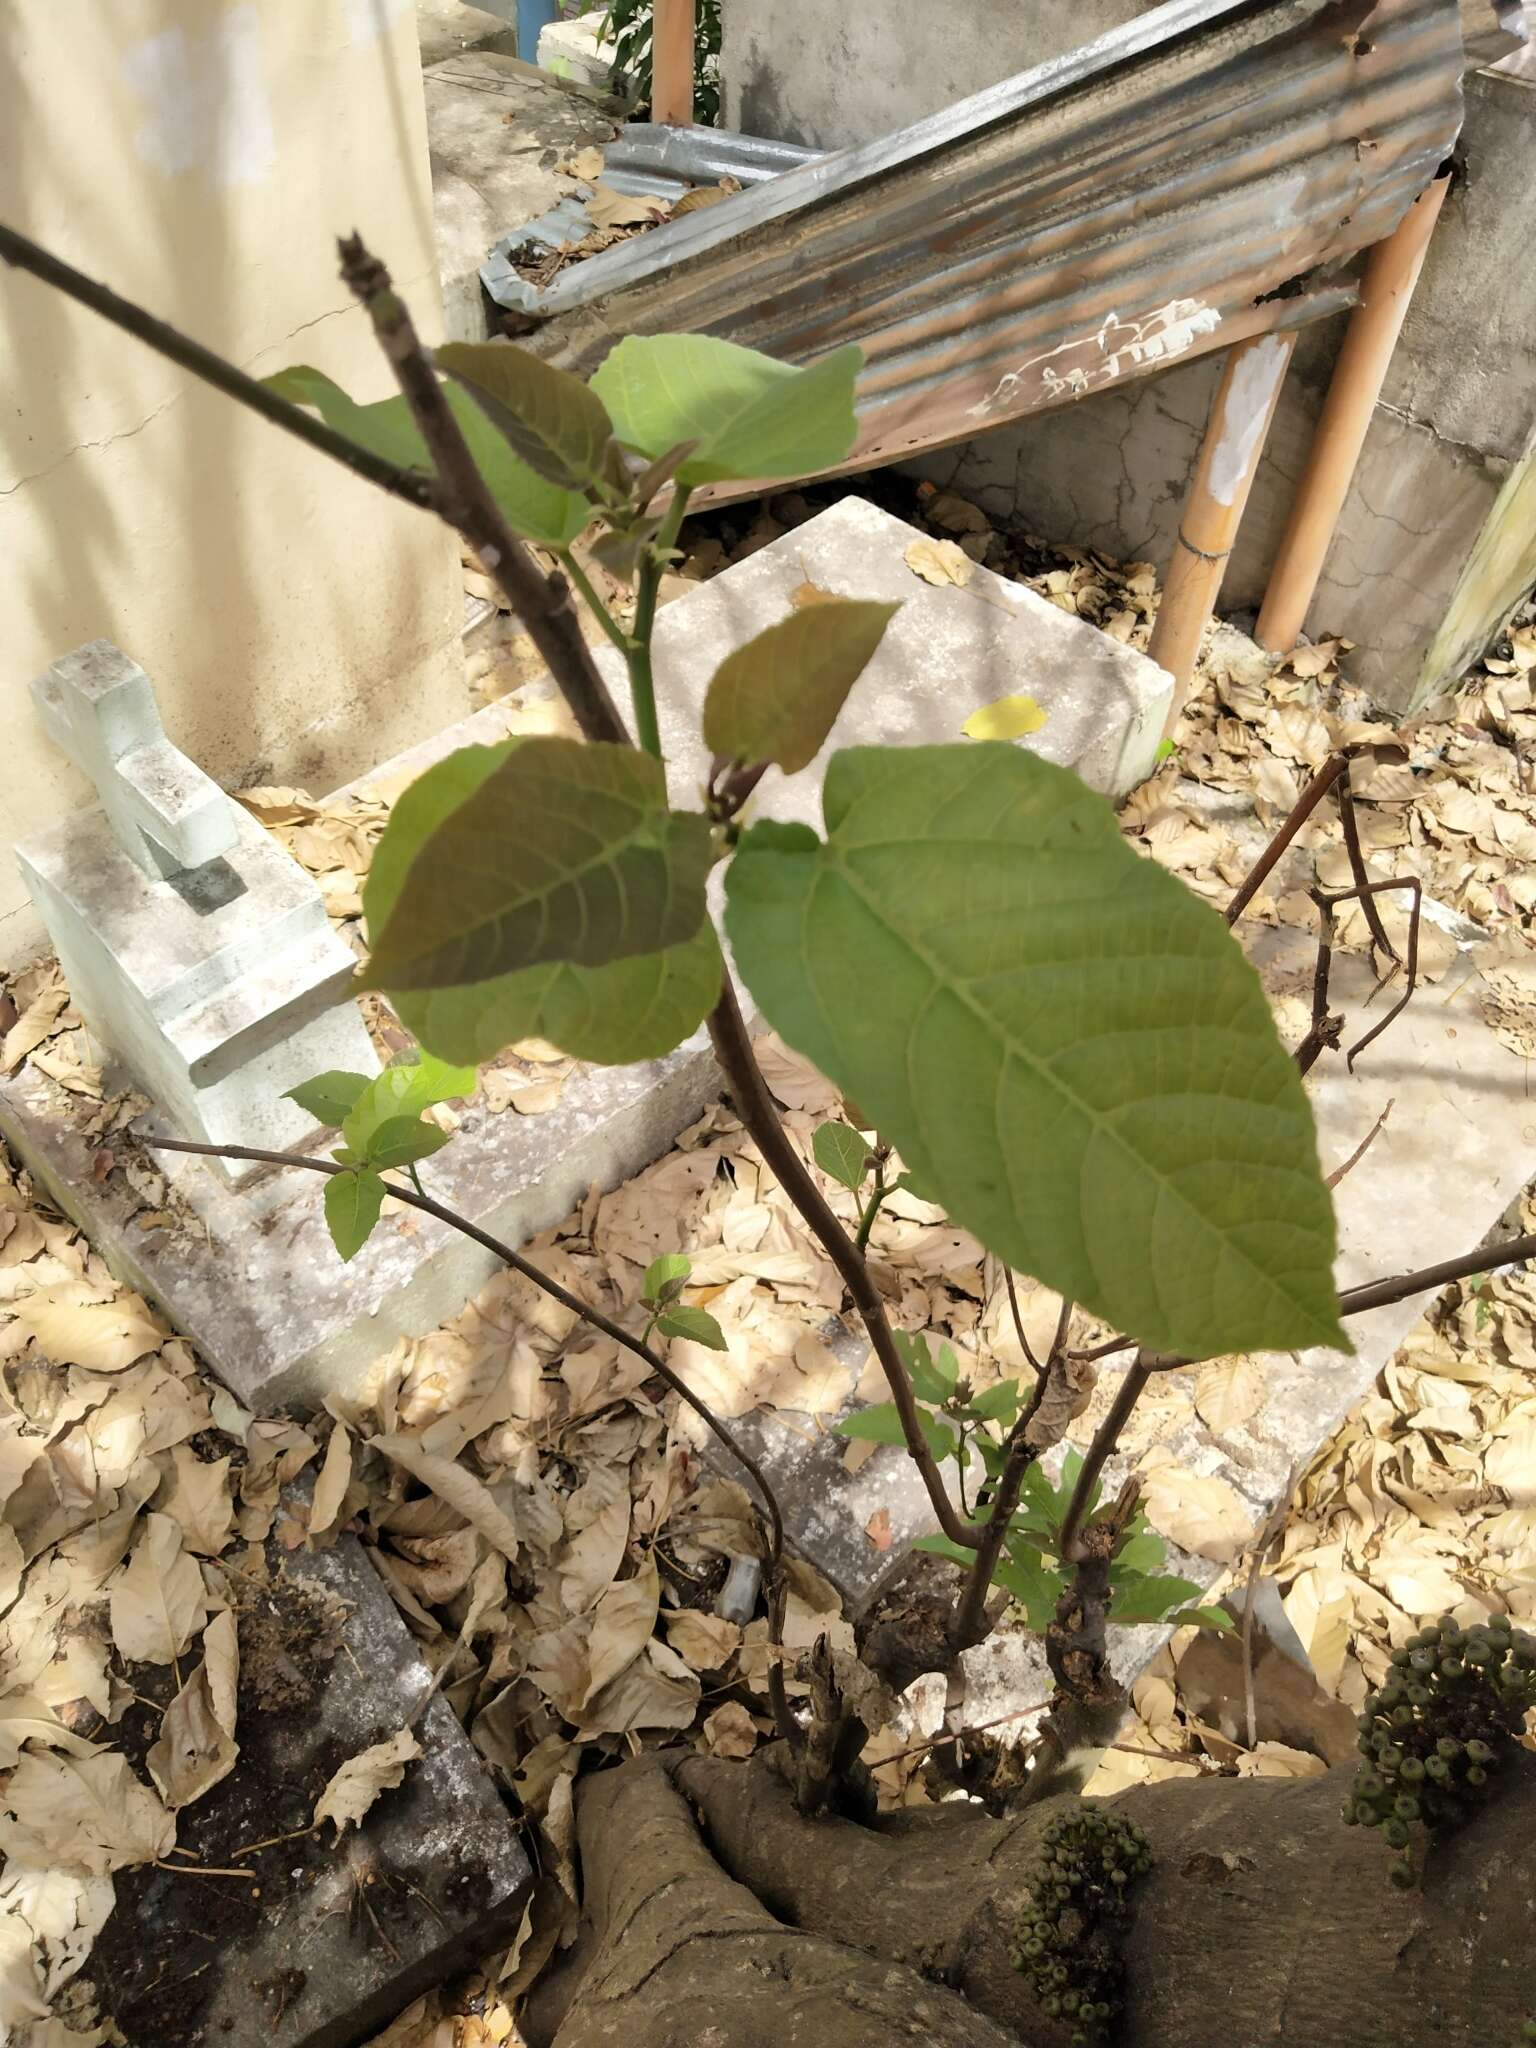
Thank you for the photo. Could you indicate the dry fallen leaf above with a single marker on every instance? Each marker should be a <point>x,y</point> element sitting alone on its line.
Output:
<point>610,209</point>
<point>334,1478</point>
<point>353,1789</point>
<point>197,1746</point>
<point>157,1599</point>
<point>939,561</point>
<point>1201,1514</point>
<point>197,1498</point>
<point>1229,1392</point>
<point>730,1731</point>
<point>877,1530</point>
<point>586,164</point>
<point>469,1496</point>
<point>103,1336</point>
<point>706,1641</point>
<point>89,1814</point>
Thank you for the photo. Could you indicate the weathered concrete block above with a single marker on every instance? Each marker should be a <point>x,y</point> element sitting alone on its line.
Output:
<point>197,949</point>
<point>949,650</point>
<point>251,1276</point>
<point>330,1938</point>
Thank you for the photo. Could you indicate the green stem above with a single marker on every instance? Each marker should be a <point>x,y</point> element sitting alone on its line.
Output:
<point>594,604</point>
<point>642,682</point>
<point>867,1220</point>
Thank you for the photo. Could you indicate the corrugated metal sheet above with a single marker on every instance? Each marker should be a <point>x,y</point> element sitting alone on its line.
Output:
<point>1167,189</point>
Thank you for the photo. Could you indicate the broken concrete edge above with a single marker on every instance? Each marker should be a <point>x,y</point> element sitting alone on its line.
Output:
<point>251,1277</point>
<point>446,1822</point>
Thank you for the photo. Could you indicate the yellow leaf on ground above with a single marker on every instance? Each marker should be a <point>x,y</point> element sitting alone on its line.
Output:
<point>197,1746</point>
<point>103,1336</point>
<point>939,561</point>
<point>1010,718</point>
<point>730,1731</point>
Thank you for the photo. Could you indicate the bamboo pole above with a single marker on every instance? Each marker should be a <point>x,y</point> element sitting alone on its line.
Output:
<point>1234,440</point>
<point>1391,272</point>
<point>672,35</point>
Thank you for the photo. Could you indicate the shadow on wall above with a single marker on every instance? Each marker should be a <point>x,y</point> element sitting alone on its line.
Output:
<point>294,622</point>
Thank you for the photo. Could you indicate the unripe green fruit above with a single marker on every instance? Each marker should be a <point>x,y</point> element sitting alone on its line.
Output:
<point>1477,1776</point>
<point>1395,1834</point>
<point>1451,1667</point>
<point>1423,1660</point>
<point>1437,1767</point>
<point>1478,1654</point>
<point>1406,1807</point>
<point>1400,1876</point>
<point>1479,1752</point>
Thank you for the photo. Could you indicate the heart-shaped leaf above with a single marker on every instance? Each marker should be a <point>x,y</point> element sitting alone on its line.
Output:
<point>1067,1046</point>
<point>562,851</point>
<point>555,422</point>
<point>842,1153</point>
<point>696,1324</point>
<point>401,1141</point>
<point>777,698</point>
<point>750,416</point>
<point>633,1009</point>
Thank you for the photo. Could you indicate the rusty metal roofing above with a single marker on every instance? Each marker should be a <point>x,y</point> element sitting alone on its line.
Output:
<point>1198,176</point>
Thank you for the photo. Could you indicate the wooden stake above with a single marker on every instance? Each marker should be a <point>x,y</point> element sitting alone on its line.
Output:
<point>1391,273</point>
<point>1235,434</point>
<point>672,63</point>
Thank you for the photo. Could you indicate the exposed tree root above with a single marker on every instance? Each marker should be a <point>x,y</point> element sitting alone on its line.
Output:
<point>1264,1921</point>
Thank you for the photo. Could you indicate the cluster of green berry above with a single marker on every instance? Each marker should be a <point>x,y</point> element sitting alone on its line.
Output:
<point>1452,1705</point>
<point>1064,1941</point>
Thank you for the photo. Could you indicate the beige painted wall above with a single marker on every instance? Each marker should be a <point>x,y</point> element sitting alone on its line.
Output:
<point>201,157</point>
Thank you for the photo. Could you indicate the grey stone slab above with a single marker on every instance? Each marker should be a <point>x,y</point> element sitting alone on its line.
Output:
<point>331,1938</point>
<point>950,650</point>
<point>250,1275</point>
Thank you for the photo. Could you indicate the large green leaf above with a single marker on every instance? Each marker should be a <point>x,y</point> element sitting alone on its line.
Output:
<point>533,506</point>
<point>776,698</point>
<point>635,1009</point>
<point>555,422</point>
<point>563,851</point>
<point>1068,1048</point>
<point>751,417</point>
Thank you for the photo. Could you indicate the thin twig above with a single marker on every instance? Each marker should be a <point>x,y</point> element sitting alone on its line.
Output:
<point>754,1105</point>
<point>1363,1147</point>
<point>415,486</point>
<point>1018,1320</point>
<point>1303,808</point>
<point>566,1299</point>
<point>957,1735</point>
<point>465,500</point>
<point>1105,1437</point>
<point>1344,797</point>
<point>1487,1259</point>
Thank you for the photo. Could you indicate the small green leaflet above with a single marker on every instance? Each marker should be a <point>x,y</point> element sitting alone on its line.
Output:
<point>401,1093</point>
<point>401,1141</point>
<point>665,1278</point>
<point>777,698</point>
<point>352,1205</point>
<point>842,1153</point>
<point>933,1380</point>
<point>1149,1599</point>
<point>329,1097</point>
<point>693,1323</point>
<point>553,421</point>
<point>881,1424</point>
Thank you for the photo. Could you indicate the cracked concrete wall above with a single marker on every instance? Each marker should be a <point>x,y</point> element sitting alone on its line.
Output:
<point>1109,472</point>
<point>202,158</point>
